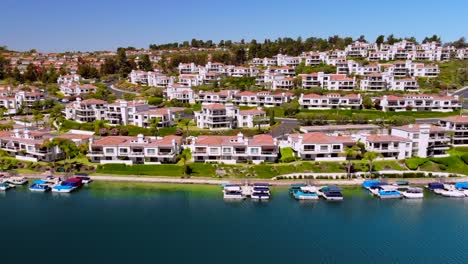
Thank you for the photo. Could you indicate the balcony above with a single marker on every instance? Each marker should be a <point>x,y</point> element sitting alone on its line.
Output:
<point>136,154</point>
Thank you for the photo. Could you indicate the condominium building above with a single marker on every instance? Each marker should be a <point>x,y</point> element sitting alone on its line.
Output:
<point>164,116</point>
<point>75,89</point>
<point>69,78</point>
<point>86,111</point>
<point>458,126</point>
<point>319,146</point>
<point>181,93</point>
<point>135,150</point>
<point>266,99</point>
<point>388,146</point>
<point>234,149</point>
<point>252,118</point>
<point>419,102</point>
<point>220,97</point>
<point>426,140</point>
<point>29,145</point>
<point>217,116</point>
<point>330,101</point>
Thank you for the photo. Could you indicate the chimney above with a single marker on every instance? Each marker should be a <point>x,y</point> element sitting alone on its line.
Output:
<point>240,137</point>
<point>16,131</point>
<point>140,138</point>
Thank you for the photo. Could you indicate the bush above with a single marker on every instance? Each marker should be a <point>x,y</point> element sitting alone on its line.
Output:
<point>464,157</point>
<point>287,155</point>
<point>155,100</point>
<point>414,163</point>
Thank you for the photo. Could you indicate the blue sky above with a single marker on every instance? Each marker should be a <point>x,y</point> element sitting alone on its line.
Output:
<point>54,25</point>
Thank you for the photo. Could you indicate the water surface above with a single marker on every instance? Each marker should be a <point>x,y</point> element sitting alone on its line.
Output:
<point>145,223</point>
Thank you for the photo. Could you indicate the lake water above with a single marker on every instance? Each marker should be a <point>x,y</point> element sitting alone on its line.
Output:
<point>111,223</point>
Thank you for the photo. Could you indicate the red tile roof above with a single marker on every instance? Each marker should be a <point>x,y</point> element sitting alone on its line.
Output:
<point>386,138</point>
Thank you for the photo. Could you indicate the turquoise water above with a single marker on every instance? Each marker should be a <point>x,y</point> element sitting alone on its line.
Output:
<point>114,225</point>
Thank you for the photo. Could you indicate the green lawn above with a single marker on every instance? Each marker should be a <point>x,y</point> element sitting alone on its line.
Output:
<point>376,114</point>
<point>287,155</point>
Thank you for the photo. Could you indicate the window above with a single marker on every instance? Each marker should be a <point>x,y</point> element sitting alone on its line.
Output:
<point>151,151</point>
<point>324,148</point>
<point>213,150</point>
<point>226,150</point>
<point>254,150</point>
<point>109,150</point>
<point>309,147</point>
<point>336,147</point>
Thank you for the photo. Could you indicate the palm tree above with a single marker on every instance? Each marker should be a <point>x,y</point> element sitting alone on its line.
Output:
<point>184,156</point>
<point>370,156</point>
<point>351,153</point>
<point>3,110</point>
<point>98,124</point>
<point>154,122</point>
<point>37,116</point>
<point>186,123</point>
<point>258,121</point>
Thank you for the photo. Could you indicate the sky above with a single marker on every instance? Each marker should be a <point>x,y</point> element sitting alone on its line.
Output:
<point>85,25</point>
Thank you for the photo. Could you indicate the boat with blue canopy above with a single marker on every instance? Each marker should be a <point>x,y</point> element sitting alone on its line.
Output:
<point>332,193</point>
<point>39,186</point>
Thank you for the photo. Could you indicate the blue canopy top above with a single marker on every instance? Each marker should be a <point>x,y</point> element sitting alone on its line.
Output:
<point>39,182</point>
<point>461,185</point>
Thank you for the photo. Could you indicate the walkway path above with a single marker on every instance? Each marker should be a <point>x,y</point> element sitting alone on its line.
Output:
<point>211,181</point>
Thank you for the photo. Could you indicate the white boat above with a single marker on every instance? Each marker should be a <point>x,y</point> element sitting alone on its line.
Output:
<point>6,186</point>
<point>233,192</point>
<point>306,193</point>
<point>17,180</point>
<point>62,189</point>
<point>388,192</point>
<point>331,193</point>
<point>450,191</point>
<point>413,193</point>
<point>260,191</point>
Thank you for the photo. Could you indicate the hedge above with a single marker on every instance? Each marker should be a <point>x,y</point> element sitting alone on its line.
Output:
<point>414,163</point>
<point>464,157</point>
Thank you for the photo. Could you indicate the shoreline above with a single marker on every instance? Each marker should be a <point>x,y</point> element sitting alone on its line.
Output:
<point>209,181</point>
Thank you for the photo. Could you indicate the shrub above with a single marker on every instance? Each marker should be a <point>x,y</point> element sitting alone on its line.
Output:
<point>464,157</point>
<point>414,163</point>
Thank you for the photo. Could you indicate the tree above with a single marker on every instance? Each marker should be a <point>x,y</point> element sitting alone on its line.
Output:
<point>391,39</point>
<point>128,96</point>
<point>367,102</point>
<point>31,73</point>
<point>239,55</point>
<point>3,67</point>
<point>371,156</point>
<point>291,108</point>
<point>380,39</point>
<point>434,38</point>
<point>123,64</point>
<point>87,71</point>
<point>3,110</point>
<point>109,66</point>
<point>37,116</point>
<point>185,156</point>
<point>186,123</point>
<point>362,38</point>
<point>460,43</point>
<point>258,120</point>
<point>272,117</point>
<point>98,124</point>
<point>351,153</point>
<point>68,147</point>
<point>154,123</point>
<point>145,64</point>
